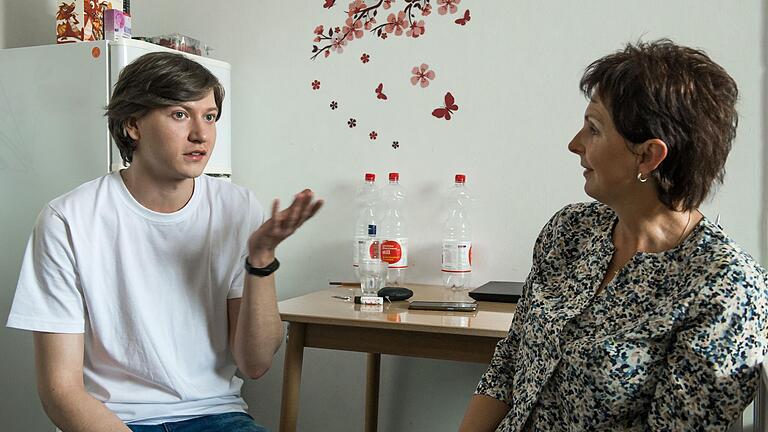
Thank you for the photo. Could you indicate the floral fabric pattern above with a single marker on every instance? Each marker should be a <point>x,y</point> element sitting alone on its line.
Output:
<point>674,342</point>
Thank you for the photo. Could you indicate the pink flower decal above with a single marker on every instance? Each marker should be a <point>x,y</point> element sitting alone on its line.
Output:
<point>396,23</point>
<point>426,10</point>
<point>416,30</point>
<point>373,135</point>
<point>334,105</point>
<point>395,144</point>
<point>422,75</point>
<point>319,30</point>
<point>387,4</point>
<point>365,58</point>
<point>337,44</point>
<point>352,123</point>
<point>353,29</point>
<point>315,85</point>
<point>369,24</point>
<point>356,6</point>
<point>328,4</point>
<point>447,6</point>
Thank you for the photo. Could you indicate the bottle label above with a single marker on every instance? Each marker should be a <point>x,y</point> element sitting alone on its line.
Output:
<point>357,247</point>
<point>395,252</point>
<point>371,250</point>
<point>457,256</point>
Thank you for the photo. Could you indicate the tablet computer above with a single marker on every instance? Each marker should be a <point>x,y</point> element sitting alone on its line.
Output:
<point>498,291</point>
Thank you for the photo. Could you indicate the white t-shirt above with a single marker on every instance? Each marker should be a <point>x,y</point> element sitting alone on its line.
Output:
<point>149,291</point>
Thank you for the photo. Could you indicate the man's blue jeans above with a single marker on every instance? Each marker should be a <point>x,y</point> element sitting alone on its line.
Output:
<point>229,422</point>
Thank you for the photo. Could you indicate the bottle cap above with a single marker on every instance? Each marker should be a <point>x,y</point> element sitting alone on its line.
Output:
<point>461,178</point>
<point>393,176</point>
<point>370,177</point>
<point>371,229</point>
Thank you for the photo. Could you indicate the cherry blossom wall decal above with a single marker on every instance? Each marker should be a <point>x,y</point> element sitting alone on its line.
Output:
<point>447,6</point>
<point>403,18</point>
<point>422,75</point>
<point>361,18</point>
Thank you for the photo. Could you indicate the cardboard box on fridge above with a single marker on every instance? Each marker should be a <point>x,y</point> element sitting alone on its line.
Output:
<point>82,20</point>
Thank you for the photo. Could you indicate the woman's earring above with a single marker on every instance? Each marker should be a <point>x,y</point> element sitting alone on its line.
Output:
<point>641,178</point>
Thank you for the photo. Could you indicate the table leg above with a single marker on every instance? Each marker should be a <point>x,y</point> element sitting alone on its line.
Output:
<point>294,355</point>
<point>372,392</point>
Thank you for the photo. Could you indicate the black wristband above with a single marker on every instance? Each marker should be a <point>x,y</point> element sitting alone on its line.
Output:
<point>263,271</point>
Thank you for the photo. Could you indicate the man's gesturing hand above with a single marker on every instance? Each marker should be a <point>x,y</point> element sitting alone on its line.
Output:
<point>283,223</point>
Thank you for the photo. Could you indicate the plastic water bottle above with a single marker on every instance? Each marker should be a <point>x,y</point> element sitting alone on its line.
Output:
<point>372,269</point>
<point>394,233</point>
<point>457,238</point>
<point>366,200</point>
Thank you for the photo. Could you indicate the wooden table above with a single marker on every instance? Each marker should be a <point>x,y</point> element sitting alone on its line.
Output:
<point>317,320</point>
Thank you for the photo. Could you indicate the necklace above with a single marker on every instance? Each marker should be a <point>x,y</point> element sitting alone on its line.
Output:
<point>682,234</point>
<point>679,240</point>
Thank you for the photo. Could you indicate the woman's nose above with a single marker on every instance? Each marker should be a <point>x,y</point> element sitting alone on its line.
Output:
<point>575,144</point>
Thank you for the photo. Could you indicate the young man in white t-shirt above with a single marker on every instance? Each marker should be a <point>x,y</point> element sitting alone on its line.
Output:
<point>147,288</point>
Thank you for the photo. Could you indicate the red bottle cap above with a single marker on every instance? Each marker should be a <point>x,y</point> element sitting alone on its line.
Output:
<point>369,177</point>
<point>461,178</point>
<point>393,176</point>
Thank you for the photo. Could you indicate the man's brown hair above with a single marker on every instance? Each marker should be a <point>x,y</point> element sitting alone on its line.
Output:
<point>156,80</point>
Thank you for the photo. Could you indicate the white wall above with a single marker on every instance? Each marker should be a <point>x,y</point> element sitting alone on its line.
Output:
<point>514,70</point>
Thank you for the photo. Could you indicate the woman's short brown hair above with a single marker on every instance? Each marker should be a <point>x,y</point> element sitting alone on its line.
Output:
<point>678,95</point>
<point>156,80</point>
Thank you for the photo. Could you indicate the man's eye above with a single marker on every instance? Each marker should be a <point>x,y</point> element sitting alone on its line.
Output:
<point>593,131</point>
<point>179,115</point>
<point>210,117</point>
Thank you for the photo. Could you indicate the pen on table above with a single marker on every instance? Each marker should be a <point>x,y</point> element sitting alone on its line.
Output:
<point>344,283</point>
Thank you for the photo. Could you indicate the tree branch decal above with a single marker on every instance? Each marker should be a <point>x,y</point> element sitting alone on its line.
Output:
<point>361,18</point>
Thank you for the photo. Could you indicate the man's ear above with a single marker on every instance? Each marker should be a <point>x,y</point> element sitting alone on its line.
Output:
<point>132,129</point>
<point>651,153</point>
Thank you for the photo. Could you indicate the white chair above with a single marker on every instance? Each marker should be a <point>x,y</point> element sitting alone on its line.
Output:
<point>759,409</point>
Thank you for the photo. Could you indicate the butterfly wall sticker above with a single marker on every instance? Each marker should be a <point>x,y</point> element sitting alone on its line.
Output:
<point>379,92</point>
<point>464,20</point>
<point>449,108</point>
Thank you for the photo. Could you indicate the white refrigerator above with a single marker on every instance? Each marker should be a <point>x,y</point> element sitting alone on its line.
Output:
<point>53,137</point>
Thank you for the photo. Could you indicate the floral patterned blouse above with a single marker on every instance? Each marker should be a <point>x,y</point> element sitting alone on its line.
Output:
<point>672,343</point>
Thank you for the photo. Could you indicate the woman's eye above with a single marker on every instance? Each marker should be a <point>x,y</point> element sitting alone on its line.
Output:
<point>593,131</point>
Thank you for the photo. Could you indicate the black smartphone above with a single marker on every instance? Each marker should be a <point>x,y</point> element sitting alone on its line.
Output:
<point>443,306</point>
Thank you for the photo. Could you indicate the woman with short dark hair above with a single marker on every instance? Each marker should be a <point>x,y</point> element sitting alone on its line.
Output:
<point>639,313</point>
